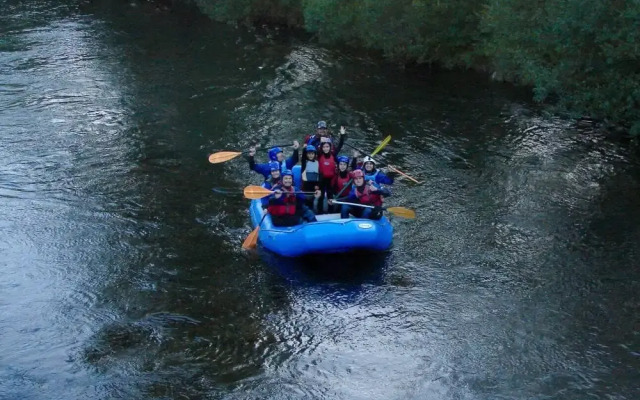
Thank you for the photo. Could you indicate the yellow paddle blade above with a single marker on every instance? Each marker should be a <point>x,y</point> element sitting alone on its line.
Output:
<point>223,156</point>
<point>381,146</point>
<point>254,192</point>
<point>251,240</point>
<point>402,212</point>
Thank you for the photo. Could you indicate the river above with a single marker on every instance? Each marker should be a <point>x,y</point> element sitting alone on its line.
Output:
<point>122,274</point>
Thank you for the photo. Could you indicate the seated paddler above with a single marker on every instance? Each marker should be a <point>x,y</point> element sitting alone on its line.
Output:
<point>366,193</point>
<point>286,205</point>
<point>275,179</point>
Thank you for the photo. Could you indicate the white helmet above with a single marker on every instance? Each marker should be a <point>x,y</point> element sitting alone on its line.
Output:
<point>368,159</point>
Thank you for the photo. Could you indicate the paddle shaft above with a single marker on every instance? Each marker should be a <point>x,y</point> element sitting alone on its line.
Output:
<point>269,147</point>
<point>357,149</point>
<point>392,168</point>
<point>344,187</point>
<point>346,203</point>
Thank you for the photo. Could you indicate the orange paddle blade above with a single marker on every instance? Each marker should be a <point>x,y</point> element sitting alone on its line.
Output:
<point>254,192</point>
<point>223,156</point>
<point>394,169</point>
<point>402,212</point>
<point>251,240</point>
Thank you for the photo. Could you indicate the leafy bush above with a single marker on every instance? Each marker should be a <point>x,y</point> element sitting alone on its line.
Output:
<point>581,54</point>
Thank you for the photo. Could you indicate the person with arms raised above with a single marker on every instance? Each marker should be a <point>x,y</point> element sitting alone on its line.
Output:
<point>276,155</point>
<point>322,134</point>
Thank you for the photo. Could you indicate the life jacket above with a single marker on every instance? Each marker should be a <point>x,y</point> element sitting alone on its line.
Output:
<point>340,182</point>
<point>370,176</point>
<point>288,205</point>
<point>327,165</point>
<point>367,197</point>
<point>311,139</point>
<point>311,171</point>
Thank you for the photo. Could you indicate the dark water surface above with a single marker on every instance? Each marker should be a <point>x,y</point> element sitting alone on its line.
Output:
<point>121,273</point>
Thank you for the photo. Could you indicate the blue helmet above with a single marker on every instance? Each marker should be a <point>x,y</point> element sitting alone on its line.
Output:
<point>310,148</point>
<point>273,153</point>
<point>287,172</point>
<point>274,166</point>
<point>343,159</point>
<point>321,125</point>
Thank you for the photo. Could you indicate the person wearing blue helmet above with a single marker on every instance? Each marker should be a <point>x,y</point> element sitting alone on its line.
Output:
<point>287,207</point>
<point>276,155</point>
<point>310,171</point>
<point>275,179</point>
<point>341,182</point>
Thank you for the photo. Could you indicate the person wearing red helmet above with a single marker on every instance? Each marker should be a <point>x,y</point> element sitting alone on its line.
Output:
<point>366,193</point>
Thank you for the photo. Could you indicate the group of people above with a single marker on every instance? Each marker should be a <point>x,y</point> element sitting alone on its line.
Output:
<point>328,180</point>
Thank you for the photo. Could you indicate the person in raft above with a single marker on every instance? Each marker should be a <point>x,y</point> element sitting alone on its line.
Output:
<point>356,161</point>
<point>310,171</point>
<point>286,207</point>
<point>341,181</point>
<point>328,162</point>
<point>275,154</point>
<point>275,180</point>
<point>321,131</point>
<point>366,193</point>
<point>373,174</point>
<point>322,134</point>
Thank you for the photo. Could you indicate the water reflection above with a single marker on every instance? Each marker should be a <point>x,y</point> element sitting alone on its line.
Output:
<point>123,274</point>
<point>348,271</point>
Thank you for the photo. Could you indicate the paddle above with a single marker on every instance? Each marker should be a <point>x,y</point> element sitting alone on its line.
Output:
<point>392,168</point>
<point>381,146</point>
<point>349,182</point>
<point>251,240</point>
<point>397,211</point>
<point>377,150</point>
<point>255,192</point>
<point>223,156</point>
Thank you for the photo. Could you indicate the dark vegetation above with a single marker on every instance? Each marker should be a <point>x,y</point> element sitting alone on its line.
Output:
<point>581,56</point>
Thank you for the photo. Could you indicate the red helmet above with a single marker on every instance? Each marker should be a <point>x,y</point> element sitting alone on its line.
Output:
<point>357,174</point>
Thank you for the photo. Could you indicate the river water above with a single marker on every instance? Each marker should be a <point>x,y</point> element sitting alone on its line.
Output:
<point>121,269</point>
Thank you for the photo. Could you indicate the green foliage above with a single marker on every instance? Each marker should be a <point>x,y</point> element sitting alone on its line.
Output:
<point>581,54</point>
<point>287,12</point>
<point>406,30</point>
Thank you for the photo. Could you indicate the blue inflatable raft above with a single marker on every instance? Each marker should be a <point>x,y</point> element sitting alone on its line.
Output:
<point>331,234</point>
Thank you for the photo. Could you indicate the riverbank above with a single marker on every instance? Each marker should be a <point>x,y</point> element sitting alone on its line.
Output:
<point>578,65</point>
